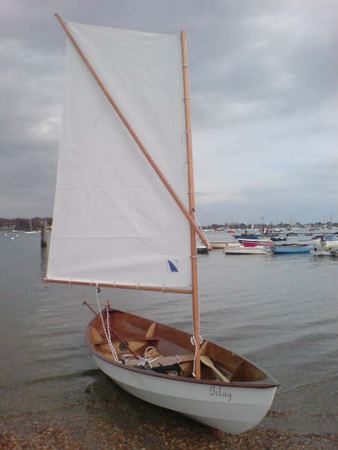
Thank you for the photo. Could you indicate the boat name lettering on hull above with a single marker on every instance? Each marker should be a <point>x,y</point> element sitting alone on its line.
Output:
<point>219,391</point>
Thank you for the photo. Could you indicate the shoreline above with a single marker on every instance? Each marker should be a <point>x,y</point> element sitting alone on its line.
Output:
<point>88,411</point>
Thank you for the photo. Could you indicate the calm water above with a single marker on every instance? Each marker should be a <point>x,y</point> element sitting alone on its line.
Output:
<point>279,311</point>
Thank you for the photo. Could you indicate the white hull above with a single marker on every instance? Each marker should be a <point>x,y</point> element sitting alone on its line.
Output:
<point>246,251</point>
<point>320,251</point>
<point>229,409</point>
<point>330,245</point>
<point>218,245</point>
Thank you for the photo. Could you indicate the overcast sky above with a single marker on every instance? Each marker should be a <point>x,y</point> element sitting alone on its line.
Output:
<point>263,98</point>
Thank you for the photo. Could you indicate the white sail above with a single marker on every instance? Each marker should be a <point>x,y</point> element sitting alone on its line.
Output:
<point>114,221</point>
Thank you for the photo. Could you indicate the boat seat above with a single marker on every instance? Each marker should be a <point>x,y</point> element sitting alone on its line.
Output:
<point>95,336</point>
<point>151,330</point>
<point>97,339</point>
<point>142,338</point>
<point>238,373</point>
<point>137,346</point>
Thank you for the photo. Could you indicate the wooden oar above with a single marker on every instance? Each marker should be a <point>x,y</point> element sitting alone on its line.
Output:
<point>207,362</point>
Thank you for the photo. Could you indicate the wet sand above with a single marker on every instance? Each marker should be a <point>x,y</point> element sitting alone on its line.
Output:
<point>88,411</point>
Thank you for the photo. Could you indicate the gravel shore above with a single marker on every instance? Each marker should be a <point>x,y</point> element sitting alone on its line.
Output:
<point>90,412</point>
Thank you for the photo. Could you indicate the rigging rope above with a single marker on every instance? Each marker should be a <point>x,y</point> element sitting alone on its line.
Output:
<point>107,334</point>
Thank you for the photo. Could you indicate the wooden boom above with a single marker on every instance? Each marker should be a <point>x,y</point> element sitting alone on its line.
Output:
<point>136,287</point>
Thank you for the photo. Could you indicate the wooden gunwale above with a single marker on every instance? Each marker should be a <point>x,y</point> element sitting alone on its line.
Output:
<point>268,383</point>
<point>136,287</point>
<point>244,384</point>
<point>132,132</point>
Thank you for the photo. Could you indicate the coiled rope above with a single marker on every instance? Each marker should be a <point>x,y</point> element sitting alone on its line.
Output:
<point>150,356</point>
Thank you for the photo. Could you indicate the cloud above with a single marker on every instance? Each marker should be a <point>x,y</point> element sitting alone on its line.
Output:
<point>263,95</point>
<point>30,118</point>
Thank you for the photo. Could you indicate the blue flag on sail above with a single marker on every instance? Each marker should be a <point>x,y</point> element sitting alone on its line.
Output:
<point>172,267</point>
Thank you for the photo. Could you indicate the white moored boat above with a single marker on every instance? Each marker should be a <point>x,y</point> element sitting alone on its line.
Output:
<point>241,250</point>
<point>124,219</point>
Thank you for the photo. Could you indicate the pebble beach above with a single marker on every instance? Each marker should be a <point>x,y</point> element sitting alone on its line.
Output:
<point>90,412</point>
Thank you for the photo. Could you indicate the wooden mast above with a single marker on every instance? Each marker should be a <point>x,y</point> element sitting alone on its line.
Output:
<point>191,193</point>
<point>132,132</point>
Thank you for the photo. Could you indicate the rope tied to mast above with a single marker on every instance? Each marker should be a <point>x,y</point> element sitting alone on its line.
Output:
<point>105,330</point>
<point>193,343</point>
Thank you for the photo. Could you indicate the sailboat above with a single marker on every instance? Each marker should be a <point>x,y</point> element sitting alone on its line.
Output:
<point>124,218</point>
<point>31,231</point>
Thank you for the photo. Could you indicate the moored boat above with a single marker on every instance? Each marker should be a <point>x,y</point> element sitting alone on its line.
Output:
<point>217,245</point>
<point>255,242</point>
<point>247,235</point>
<point>285,249</point>
<point>321,251</point>
<point>242,250</point>
<point>330,241</point>
<point>278,238</point>
<point>202,249</point>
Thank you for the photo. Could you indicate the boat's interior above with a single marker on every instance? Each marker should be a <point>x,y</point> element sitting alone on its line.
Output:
<point>144,344</point>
